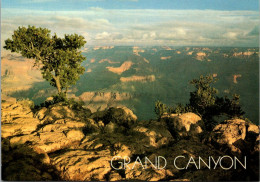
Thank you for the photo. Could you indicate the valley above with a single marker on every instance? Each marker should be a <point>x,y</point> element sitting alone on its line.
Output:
<point>137,77</point>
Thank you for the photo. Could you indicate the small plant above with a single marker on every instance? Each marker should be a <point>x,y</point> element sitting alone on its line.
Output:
<point>180,108</point>
<point>160,109</point>
<point>63,100</point>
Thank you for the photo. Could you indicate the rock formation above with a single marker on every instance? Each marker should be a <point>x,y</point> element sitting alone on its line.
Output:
<point>59,142</point>
<point>119,70</point>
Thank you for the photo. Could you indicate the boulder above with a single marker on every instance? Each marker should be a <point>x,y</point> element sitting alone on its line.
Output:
<point>187,124</point>
<point>110,127</point>
<point>235,135</point>
<point>120,115</point>
<point>155,133</point>
<point>75,135</point>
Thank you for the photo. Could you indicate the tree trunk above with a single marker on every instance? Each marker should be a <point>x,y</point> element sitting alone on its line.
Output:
<point>57,81</point>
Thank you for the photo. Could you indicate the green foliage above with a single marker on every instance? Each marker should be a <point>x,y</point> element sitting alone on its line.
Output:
<point>180,108</point>
<point>230,107</point>
<point>204,97</point>
<point>62,99</point>
<point>58,58</point>
<point>160,109</point>
<point>204,102</point>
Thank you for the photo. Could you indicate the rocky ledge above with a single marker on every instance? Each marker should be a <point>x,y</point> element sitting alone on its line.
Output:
<point>61,143</point>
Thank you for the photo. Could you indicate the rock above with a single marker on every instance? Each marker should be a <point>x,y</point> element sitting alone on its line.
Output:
<point>41,113</point>
<point>122,150</point>
<point>49,99</point>
<point>5,145</point>
<point>92,125</point>
<point>75,135</point>
<point>22,163</point>
<point>46,159</point>
<point>114,176</point>
<point>55,112</point>
<point>46,176</point>
<point>236,135</point>
<point>121,116</point>
<point>191,148</point>
<point>136,172</point>
<point>156,133</point>
<point>110,127</point>
<point>12,111</point>
<point>6,104</point>
<point>97,115</point>
<point>20,126</point>
<point>60,111</point>
<point>188,124</point>
<point>17,119</point>
<point>52,145</point>
<point>253,128</point>
<point>7,99</point>
<point>19,140</point>
<point>21,170</point>
<point>53,141</point>
<point>82,165</point>
<point>60,126</point>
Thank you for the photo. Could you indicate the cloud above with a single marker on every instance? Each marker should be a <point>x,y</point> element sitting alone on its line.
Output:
<point>96,9</point>
<point>102,36</point>
<point>143,27</point>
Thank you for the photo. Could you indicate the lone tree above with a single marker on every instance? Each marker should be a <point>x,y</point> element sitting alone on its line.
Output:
<point>203,99</point>
<point>59,59</point>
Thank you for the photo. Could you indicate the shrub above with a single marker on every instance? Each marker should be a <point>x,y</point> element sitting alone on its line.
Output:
<point>63,100</point>
<point>204,102</point>
<point>160,109</point>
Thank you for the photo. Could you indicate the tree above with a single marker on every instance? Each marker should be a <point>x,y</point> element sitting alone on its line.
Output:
<point>205,102</point>
<point>59,59</point>
<point>160,109</point>
<point>230,107</point>
<point>204,97</point>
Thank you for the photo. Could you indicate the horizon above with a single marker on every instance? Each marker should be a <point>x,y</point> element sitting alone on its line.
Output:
<point>140,22</point>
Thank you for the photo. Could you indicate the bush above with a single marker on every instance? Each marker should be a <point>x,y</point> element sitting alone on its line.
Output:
<point>204,102</point>
<point>230,107</point>
<point>63,100</point>
<point>160,109</point>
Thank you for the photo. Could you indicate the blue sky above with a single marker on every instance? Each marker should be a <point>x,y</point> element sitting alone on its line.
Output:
<point>140,22</point>
<point>57,5</point>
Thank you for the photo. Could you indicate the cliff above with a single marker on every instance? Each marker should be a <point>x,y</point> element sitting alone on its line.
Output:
<point>64,143</point>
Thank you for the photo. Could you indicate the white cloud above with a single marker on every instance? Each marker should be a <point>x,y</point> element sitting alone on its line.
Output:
<point>231,35</point>
<point>102,36</point>
<point>143,27</point>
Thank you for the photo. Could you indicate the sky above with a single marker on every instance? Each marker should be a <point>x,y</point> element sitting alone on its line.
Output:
<point>140,22</point>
